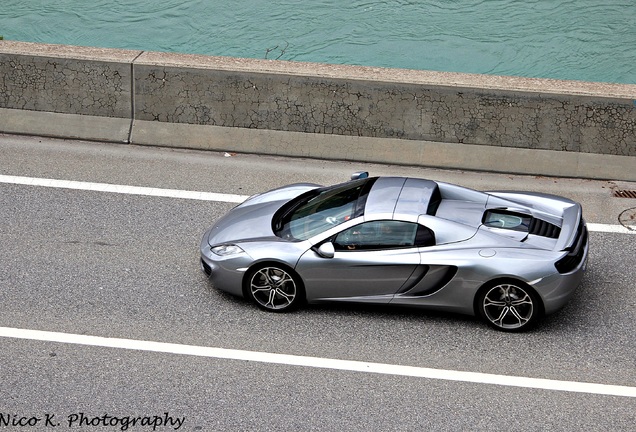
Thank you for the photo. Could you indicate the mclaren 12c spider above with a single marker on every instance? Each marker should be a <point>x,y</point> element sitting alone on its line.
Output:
<point>505,257</point>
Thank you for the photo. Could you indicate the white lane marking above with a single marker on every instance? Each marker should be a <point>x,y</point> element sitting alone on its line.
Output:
<point>620,229</point>
<point>202,196</point>
<point>123,189</point>
<point>323,363</point>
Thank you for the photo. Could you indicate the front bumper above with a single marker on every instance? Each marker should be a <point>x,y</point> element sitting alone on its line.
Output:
<point>225,273</point>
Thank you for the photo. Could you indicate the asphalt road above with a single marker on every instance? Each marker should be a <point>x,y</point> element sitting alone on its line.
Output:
<point>126,266</point>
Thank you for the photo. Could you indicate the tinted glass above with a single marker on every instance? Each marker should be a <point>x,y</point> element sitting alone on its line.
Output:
<point>507,220</point>
<point>322,209</point>
<point>386,234</point>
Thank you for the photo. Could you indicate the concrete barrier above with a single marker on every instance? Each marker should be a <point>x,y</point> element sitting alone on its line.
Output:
<point>478,122</point>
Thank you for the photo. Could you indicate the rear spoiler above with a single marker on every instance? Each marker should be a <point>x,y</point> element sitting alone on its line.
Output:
<point>572,220</point>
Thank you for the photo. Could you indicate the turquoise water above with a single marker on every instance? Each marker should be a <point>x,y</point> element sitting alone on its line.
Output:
<point>580,39</point>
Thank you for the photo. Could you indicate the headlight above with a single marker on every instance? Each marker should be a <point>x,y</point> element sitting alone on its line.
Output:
<point>226,249</point>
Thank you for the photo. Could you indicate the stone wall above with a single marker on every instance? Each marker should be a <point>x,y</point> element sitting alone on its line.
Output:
<point>64,79</point>
<point>384,103</point>
<point>210,102</point>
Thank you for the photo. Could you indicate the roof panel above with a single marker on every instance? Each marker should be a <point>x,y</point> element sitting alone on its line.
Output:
<point>383,196</point>
<point>415,196</point>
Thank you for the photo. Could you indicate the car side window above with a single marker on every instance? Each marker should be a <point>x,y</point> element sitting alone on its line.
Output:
<point>384,234</point>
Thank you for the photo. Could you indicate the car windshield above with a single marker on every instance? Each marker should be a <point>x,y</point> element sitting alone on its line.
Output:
<point>320,209</point>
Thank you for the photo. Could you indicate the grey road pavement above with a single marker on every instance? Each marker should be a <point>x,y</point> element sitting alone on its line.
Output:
<point>126,266</point>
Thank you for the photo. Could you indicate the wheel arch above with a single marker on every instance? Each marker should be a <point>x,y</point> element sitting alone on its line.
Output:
<point>502,280</point>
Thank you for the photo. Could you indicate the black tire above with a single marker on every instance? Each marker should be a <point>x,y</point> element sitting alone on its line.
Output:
<point>274,288</point>
<point>509,306</point>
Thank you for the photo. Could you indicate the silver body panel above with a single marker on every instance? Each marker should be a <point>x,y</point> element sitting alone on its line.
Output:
<point>466,256</point>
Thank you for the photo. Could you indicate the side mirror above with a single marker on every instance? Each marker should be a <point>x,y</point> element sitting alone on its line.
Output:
<point>359,175</point>
<point>326,250</point>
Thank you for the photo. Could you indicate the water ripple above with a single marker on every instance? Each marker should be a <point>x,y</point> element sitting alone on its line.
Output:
<point>576,39</point>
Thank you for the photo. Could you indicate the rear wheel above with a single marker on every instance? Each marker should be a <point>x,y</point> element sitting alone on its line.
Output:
<point>509,306</point>
<point>274,288</point>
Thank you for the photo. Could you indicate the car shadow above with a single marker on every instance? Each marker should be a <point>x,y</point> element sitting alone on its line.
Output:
<point>388,312</point>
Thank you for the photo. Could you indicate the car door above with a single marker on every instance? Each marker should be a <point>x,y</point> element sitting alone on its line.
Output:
<point>438,256</point>
<point>371,261</point>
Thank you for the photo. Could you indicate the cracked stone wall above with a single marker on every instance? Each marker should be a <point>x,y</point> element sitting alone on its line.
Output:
<point>320,99</point>
<point>58,82</point>
<point>386,110</point>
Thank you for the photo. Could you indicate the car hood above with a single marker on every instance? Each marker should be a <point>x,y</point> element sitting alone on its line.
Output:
<point>252,219</point>
<point>285,193</point>
<point>244,222</point>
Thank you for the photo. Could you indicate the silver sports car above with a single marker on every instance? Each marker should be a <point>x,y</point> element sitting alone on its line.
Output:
<point>506,257</point>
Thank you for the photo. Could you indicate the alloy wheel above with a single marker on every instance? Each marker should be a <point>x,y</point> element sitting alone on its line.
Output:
<point>273,289</point>
<point>509,307</point>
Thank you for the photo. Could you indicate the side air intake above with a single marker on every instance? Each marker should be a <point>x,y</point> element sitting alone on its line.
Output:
<point>544,229</point>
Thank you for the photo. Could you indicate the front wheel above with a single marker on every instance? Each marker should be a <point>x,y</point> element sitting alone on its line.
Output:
<point>509,306</point>
<point>274,288</point>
